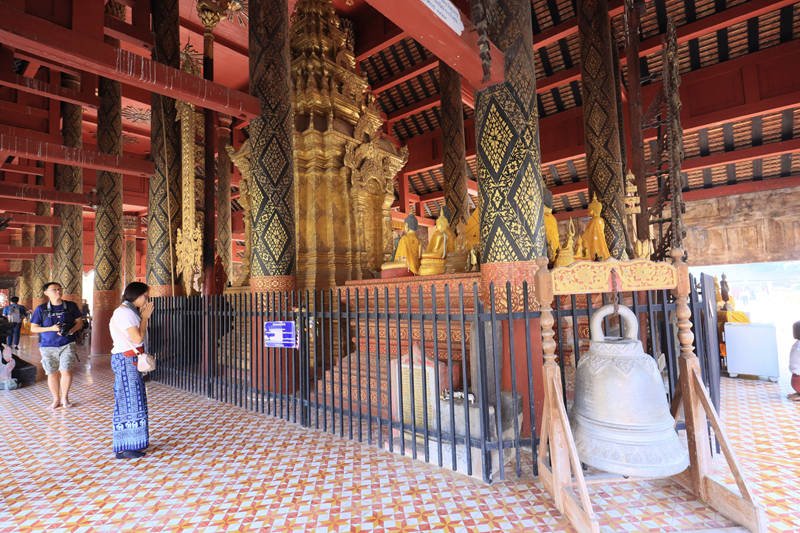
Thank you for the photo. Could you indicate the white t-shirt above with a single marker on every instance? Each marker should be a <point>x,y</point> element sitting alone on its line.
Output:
<point>123,318</point>
<point>794,358</point>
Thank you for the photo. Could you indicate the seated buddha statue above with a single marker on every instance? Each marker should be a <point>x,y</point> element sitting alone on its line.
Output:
<point>566,255</point>
<point>594,238</point>
<point>456,260</point>
<point>442,242</point>
<point>550,227</point>
<point>406,256</point>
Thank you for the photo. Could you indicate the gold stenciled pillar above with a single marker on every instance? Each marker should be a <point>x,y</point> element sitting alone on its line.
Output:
<point>272,194</point>
<point>454,162</point>
<point>223,241</point>
<point>16,265</point>
<point>510,180</point>
<point>108,219</point>
<point>600,119</point>
<point>164,201</point>
<point>26,271</point>
<point>68,236</point>
<point>42,272</point>
<point>130,261</point>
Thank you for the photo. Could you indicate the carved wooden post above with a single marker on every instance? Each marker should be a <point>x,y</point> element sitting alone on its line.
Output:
<point>696,421</point>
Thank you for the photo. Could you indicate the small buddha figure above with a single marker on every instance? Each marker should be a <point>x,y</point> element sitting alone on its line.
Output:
<point>550,227</point>
<point>441,243</point>
<point>473,237</point>
<point>457,260</point>
<point>593,239</point>
<point>566,255</point>
<point>406,256</point>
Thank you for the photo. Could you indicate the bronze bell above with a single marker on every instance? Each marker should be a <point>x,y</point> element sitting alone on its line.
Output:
<point>620,418</point>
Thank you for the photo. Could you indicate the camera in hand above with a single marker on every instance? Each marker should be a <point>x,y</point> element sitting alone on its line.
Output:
<point>64,329</point>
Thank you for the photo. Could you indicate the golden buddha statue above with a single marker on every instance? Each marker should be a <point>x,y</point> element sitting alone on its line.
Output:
<point>550,227</point>
<point>472,237</point>
<point>566,256</point>
<point>457,259</point>
<point>441,243</point>
<point>406,256</point>
<point>593,240</point>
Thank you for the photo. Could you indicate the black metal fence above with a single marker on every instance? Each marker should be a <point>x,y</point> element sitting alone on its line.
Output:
<point>427,372</point>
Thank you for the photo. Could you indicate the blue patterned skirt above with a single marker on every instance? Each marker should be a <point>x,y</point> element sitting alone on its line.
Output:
<point>130,405</point>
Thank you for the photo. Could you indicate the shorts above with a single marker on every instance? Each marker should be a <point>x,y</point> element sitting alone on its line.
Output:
<point>58,358</point>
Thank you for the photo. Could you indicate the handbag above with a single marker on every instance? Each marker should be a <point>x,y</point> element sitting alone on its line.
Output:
<point>146,363</point>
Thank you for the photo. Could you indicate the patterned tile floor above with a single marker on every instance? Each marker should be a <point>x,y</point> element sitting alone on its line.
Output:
<point>214,467</point>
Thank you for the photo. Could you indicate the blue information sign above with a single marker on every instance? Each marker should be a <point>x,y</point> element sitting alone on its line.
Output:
<point>280,335</point>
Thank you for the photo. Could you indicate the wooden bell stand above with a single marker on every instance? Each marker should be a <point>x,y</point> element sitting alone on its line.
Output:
<point>563,477</point>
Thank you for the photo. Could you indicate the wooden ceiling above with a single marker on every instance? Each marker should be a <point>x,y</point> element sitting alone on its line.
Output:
<point>754,140</point>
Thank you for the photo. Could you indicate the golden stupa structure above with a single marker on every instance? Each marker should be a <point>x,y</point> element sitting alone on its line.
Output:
<point>344,168</point>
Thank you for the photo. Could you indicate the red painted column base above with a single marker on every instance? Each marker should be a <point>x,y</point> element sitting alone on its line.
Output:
<point>104,304</point>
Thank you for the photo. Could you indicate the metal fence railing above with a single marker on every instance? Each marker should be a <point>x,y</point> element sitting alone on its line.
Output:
<point>430,373</point>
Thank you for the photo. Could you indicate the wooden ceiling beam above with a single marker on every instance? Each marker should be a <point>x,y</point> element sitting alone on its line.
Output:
<point>38,36</point>
<point>414,109</point>
<point>41,88</point>
<point>411,73</point>
<point>18,168</point>
<point>379,44</point>
<point>36,193</point>
<point>25,250</point>
<point>741,155</point>
<point>755,84</point>
<point>459,50</point>
<point>569,27</point>
<point>15,142</point>
<point>717,21</point>
<point>19,219</point>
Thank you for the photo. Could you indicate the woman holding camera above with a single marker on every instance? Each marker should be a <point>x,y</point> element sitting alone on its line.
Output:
<point>56,321</point>
<point>128,328</point>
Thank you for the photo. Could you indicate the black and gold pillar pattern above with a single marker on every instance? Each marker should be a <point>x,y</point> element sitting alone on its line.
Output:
<point>507,140</point>
<point>42,272</point>
<point>454,162</point>
<point>108,238</point>
<point>26,272</point>
<point>600,119</point>
<point>68,236</point>
<point>223,241</point>
<point>130,261</point>
<point>164,202</point>
<point>271,141</point>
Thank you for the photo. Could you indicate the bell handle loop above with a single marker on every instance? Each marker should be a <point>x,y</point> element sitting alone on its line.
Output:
<point>626,315</point>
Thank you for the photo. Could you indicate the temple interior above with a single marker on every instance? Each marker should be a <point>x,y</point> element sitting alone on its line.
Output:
<point>450,265</point>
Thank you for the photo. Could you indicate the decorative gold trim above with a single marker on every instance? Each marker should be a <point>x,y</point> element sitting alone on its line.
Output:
<point>272,283</point>
<point>588,277</point>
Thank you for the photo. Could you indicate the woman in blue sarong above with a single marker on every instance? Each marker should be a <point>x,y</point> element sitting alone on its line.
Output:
<point>128,328</point>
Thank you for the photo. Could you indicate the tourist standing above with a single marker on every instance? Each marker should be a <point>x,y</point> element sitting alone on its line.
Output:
<point>128,326</point>
<point>56,321</point>
<point>14,313</point>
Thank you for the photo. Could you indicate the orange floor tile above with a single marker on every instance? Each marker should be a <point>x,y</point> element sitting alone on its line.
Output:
<point>213,467</point>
